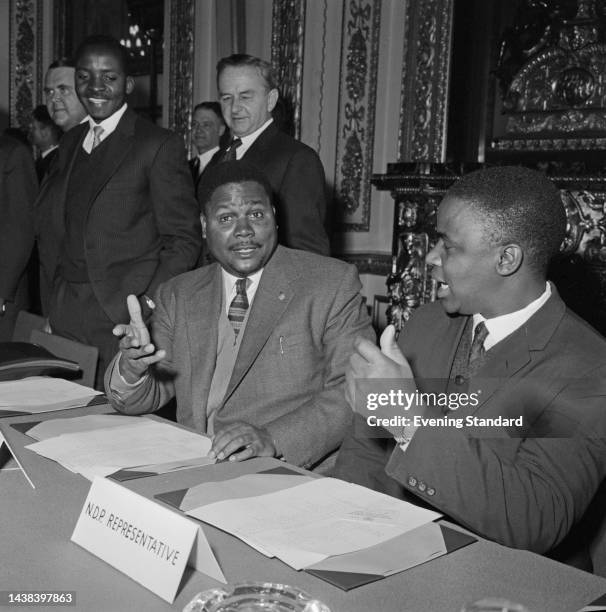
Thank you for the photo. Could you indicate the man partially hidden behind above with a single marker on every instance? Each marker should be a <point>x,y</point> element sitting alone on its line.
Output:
<point>62,102</point>
<point>500,331</point>
<point>120,206</point>
<point>44,134</point>
<point>254,346</point>
<point>207,128</point>
<point>248,94</point>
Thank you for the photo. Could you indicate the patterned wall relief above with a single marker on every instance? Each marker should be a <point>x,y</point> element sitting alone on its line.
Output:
<point>25,79</point>
<point>551,77</point>
<point>287,38</point>
<point>180,77</point>
<point>356,127</point>
<point>425,80</point>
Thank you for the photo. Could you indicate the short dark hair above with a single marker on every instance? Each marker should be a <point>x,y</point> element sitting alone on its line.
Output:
<point>63,62</point>
<point>215,107</point>
<point>108,43</point>
<point>517,205</point>
<point>239,60</point>
<point>237,171</point>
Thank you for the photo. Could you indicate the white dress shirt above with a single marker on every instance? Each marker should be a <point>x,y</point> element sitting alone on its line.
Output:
<point>247,141</point>
<point>108,125</point>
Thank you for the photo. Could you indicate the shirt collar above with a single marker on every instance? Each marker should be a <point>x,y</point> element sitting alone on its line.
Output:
<point>207,156</point>
<point>229,286</point>
<point>501,327</point>
<point>43,154</point>
<point>247,141</point>
<point>109,124</point>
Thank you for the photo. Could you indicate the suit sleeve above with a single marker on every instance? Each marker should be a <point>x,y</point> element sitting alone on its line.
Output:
<point>302,195</point>
<point>176,212</point>
<point>521,492</point>
<point>316,428</point>
<point>18,192</point>
<point>157,389</point>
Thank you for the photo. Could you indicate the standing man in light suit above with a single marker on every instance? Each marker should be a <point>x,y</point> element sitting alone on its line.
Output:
<point>248,94</point>
<point>121,210</point>
<point>254,347</point>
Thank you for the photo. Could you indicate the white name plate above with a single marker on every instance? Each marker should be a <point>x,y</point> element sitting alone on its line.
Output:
<point>137,536</point>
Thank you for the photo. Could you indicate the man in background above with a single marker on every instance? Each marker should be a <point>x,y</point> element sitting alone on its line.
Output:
<point>62,102</point>
<point>44,134</point>
<point>207,128</point>
<point>248,94</point>
<point>121,216</point>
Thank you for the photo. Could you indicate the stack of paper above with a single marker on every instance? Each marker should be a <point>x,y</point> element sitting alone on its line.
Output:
<point>42,394</point>
<point>306,524</point>
<point>140,444</point>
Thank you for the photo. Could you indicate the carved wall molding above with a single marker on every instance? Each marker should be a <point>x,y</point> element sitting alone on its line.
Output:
<point>356,124</point>
<point>25,65</point>
<point>425,80</point>
<point>287,42</point>
<point>181,59</point>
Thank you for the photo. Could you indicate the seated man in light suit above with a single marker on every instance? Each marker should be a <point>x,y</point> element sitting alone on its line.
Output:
<point>254,347</point>
<point>501,331</point>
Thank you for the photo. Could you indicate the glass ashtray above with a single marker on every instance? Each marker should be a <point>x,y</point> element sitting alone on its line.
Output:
<point>255,597</point>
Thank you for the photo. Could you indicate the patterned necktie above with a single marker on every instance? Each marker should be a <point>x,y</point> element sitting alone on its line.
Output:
<point>238,306</point>
<point>477,351</point>
<point>230,152</point>
<point>97,131</point>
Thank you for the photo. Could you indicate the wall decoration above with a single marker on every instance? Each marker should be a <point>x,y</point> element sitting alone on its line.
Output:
<point>425,80</point>
<point>25,66</point>
<point>287,38</point>
<point>356,127</point>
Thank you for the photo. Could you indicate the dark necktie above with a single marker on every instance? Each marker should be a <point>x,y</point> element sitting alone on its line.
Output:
<point>230,152</point>
<point>238,306</point>
<point>196,171</point>
<point>477,351</point>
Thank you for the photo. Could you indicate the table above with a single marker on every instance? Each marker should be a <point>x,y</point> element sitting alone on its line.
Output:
<point>36,526</point>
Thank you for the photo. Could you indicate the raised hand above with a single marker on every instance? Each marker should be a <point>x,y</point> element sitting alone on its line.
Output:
<point>137,352</point>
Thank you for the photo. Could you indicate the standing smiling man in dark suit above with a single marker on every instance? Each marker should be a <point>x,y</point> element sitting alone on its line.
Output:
<point>124,215</point>
<point>248,94</point>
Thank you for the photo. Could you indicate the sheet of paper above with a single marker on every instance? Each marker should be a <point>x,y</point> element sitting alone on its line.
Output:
<point>56,427</point>
<point>323,517</point>
<point>248,485</point>
<point>92,453</point>
<point>402,552</point>
<point>43,394</point>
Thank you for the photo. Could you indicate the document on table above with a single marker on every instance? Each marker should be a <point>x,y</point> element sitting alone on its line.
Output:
<point>42,394</point>
<point>89,422</point>
<point>103,451</point>
<point>310,522</point>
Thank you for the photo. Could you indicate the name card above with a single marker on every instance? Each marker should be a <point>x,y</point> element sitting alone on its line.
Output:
<point>137,536</point>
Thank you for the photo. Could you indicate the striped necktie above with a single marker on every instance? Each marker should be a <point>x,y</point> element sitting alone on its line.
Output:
<point>477,351</point>
<point>97,131</point>
<point>239,306</point>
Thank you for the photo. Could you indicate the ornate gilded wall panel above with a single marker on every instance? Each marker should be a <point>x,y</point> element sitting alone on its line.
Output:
<point>25,60</point>
<point>180,77</point>
<point>552,78</point>
<point>356,125</point>
<point>287,38</point>
<point>425,80</point>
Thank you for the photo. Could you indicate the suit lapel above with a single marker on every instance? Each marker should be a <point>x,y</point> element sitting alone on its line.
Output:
<point>275,292</point>
<point>202,307</point>
<point>111,156</point>
<point>516,351</point>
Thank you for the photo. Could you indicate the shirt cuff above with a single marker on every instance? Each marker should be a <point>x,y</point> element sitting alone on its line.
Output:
<point>119,385</point>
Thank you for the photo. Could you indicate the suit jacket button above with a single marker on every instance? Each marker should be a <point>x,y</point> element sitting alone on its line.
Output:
<point>431,491</point>
<point>459,380</point>
<point>412,481</point>
<point>421,486</point>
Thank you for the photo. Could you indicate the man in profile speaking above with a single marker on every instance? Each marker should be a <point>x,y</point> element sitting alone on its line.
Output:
<point>501,331</point>
<point>254,346</point>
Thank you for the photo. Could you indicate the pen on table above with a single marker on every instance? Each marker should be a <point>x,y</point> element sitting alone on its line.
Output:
<point>281,347</point>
